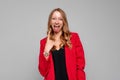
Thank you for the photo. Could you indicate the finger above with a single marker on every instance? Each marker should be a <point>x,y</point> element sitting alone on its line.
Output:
<point>49,32</point>
<point>48,35</point>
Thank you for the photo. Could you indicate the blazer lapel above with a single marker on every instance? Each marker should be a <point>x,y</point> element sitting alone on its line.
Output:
<point>67,57</point>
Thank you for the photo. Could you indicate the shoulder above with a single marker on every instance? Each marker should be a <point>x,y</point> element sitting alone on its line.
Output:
<point>74,34</point>
<point>74,37</point>
<point>43,40</point>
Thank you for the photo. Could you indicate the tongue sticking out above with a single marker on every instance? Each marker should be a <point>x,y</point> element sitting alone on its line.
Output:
<point>56,28</point>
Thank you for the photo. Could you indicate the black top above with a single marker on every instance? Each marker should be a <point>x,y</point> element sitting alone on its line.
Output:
<point>59,64</point>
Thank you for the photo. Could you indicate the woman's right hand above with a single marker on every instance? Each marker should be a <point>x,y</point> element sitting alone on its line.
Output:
<point>49,44</point>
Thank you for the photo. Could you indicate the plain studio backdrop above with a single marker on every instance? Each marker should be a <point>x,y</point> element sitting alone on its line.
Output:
<point>24,22</point>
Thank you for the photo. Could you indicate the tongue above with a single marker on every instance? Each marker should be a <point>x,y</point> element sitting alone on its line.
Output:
<point>56,29</point>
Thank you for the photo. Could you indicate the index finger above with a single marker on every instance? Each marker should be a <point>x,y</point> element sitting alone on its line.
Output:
<point>48,35</point>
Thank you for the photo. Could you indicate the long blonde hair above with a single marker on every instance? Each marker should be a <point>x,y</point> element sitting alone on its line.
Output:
<point>65,37</point>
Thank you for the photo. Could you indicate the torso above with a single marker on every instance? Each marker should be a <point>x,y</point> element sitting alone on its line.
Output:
<point>60,64</point>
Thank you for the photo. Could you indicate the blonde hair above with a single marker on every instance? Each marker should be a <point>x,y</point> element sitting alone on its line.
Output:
<point>65,37</point>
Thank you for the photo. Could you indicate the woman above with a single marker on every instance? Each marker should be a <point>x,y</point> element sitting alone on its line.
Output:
<point>61,52</point>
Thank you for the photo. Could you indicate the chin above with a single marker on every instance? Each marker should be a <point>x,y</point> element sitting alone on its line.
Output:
<point>56,31</point>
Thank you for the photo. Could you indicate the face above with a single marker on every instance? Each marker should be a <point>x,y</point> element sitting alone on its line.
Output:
<point>57,22</point>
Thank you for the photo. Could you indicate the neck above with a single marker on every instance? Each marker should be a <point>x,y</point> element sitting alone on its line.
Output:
<point>57,35</point>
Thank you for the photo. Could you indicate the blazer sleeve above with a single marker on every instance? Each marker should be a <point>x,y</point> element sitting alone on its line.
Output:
<point>79,58</point>
<point>43,64</point>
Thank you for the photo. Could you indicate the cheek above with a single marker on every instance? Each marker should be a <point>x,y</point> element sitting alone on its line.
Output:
<point>51,22</point>
<point>61,27</point>
<point>61,23</point>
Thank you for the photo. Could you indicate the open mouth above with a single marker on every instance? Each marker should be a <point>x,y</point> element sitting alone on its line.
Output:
<point>56,28</point>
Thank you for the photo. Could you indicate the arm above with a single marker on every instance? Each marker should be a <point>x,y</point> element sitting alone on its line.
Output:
<point>80,59</point>
<point>44,63</point>
<point>44,58</point>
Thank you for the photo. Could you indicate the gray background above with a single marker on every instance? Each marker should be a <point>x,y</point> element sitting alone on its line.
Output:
<point>23,23</point>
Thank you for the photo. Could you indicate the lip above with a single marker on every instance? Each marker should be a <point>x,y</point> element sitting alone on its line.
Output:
<point>56,26</point>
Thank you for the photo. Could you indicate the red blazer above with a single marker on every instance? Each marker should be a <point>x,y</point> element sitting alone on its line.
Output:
<point>75,61</point>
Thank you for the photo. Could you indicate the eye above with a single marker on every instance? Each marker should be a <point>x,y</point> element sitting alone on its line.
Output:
<point>53,18</point>
<point>61,19</point>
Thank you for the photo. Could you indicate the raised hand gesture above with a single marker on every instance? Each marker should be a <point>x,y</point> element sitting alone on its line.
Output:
<point>48,46</point>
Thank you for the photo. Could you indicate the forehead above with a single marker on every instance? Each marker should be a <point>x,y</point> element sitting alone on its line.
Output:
<point>56,14</point>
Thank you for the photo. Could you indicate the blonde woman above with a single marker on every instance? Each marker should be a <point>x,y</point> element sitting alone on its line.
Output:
<point>61,52</point>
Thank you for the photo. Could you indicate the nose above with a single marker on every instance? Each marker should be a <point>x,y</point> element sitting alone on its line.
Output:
<point>57,21</point>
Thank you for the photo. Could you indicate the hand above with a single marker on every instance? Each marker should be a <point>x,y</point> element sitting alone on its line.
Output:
<point>49,44</point>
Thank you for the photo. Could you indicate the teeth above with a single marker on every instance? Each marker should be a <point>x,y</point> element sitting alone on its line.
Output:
<point>56,26</point>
